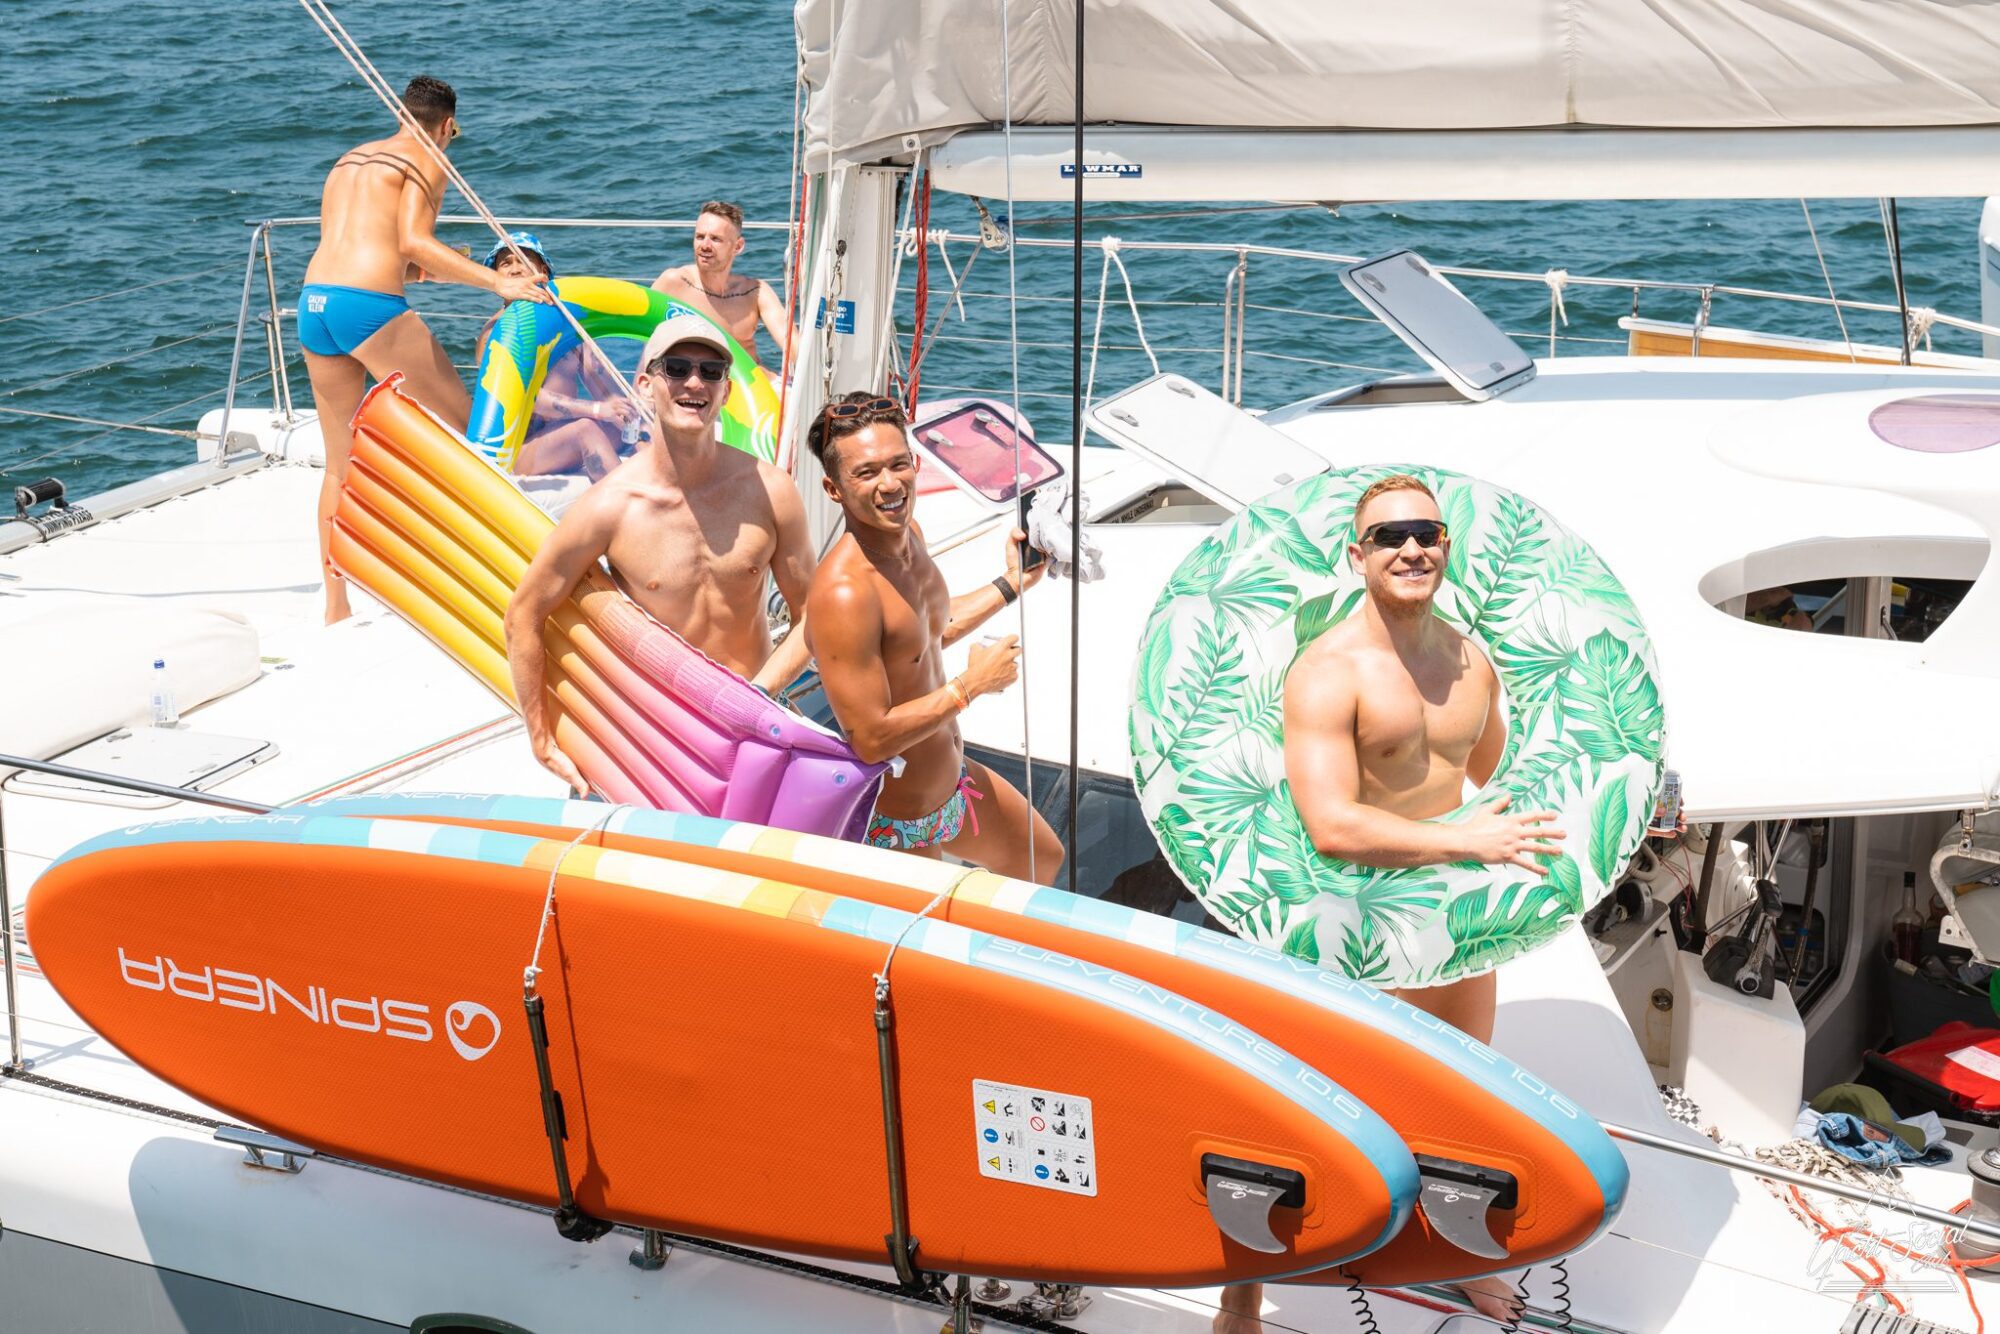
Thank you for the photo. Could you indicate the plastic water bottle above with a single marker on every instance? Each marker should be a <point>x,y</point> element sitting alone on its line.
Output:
<point>164,712</point>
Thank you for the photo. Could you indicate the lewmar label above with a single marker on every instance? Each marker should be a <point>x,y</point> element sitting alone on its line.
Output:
<point>1127,171</point>
<point>1035,1137</point>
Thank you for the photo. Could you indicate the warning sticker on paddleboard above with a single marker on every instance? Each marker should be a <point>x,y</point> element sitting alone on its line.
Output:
<point>1035,1137</point>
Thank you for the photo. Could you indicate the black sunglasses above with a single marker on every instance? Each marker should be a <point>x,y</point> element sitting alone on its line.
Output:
<point>680,368</point>
<point>842,411</point>
<point>1395,532</point>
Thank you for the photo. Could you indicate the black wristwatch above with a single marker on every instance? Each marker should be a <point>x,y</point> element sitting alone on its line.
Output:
<point>1008,593</point>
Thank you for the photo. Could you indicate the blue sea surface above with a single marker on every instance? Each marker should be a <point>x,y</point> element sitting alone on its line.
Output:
<point>144,134</point>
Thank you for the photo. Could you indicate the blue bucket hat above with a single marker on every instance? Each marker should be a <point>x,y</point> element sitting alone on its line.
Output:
<point>527,241</point>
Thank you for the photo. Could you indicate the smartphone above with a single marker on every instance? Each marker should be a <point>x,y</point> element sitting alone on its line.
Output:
<point>1032,557</point>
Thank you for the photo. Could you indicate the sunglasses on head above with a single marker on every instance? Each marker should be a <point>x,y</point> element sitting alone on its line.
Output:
<point>680,368</point>
<point>1395,532</point>
<point>843,411</point>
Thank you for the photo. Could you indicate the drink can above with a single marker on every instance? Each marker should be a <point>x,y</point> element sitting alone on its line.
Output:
<point>1667,809</point>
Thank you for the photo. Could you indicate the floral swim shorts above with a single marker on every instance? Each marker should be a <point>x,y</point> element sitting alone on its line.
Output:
<point>924,831</point>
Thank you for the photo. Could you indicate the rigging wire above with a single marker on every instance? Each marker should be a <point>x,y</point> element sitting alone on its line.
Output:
<point>1075,453</point>
<point>1892,236</point>
<point>1824,273</point>
<point>322,15</point>
<point>905,240</point>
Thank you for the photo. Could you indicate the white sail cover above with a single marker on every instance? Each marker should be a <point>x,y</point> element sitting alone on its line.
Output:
<point>883,77</point>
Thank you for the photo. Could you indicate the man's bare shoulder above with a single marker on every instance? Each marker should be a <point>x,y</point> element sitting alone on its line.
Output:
<point>1336,649</point>
<point>602,508</point>
<point>844,584</point>
<point>669,278</point>
<point>1326,661</point>
<point>780,487</point>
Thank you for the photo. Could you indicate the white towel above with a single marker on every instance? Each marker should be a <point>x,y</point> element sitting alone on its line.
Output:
<point>1049,532</point>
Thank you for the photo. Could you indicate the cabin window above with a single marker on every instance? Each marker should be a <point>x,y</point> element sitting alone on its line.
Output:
<point>1910,609</point>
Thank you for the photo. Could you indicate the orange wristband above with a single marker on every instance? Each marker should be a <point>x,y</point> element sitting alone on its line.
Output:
<point>958,693</point>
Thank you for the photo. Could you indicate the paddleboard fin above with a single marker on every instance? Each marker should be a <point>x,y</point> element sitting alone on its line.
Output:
<point>1456,1198</point>
<point>1242,1194</point>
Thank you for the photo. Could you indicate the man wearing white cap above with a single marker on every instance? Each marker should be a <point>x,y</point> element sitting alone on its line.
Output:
<point>691,526</point>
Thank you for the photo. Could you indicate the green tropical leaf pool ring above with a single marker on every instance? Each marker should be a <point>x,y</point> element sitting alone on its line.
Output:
<point>1585,729</point>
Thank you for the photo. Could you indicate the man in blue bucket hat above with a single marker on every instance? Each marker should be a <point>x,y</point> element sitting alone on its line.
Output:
<point>580,416</point>
<point>502,260</point>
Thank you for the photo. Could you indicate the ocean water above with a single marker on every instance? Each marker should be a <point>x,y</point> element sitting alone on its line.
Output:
<point>145,133</point>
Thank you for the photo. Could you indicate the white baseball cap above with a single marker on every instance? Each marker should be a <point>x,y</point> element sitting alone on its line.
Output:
<point>684,326</point>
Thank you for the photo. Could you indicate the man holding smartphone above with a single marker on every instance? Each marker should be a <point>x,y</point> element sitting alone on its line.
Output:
<point>878,619</point>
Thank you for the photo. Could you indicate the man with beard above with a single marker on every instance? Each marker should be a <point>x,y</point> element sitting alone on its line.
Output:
<point>880,617</point>
<point>712,286</point>
<point>692,528</point>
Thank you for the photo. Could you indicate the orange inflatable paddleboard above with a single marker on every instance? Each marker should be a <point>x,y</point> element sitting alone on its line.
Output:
<point>1464,1109</point>
<point>356,985</point>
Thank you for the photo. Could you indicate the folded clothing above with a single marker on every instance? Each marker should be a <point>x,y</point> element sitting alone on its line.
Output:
<point>1857,1122</point>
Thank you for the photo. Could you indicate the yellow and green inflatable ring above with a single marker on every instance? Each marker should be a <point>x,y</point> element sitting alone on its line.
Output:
<point>530,337</point>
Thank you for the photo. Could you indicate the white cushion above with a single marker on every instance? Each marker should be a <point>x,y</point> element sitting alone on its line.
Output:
<point>71,676</point>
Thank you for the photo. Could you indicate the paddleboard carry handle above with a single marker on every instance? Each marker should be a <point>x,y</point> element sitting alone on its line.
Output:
<point>572,1223</point>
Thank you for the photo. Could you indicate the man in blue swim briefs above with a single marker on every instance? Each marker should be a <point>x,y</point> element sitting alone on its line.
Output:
<point>878,618</point>
<point>377,212</point>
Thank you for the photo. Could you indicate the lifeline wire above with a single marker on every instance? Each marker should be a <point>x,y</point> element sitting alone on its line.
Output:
<point>344,42</point>
<point>123,291</point>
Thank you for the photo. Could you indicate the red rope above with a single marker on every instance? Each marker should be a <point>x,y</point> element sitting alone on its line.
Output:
<point>922,299</point>
<point>1952,1260</point>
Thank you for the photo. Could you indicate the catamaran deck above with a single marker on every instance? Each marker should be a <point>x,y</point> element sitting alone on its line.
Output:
<point>369,703</point>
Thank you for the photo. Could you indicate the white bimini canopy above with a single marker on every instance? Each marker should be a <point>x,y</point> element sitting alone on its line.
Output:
<point>1712,84</point>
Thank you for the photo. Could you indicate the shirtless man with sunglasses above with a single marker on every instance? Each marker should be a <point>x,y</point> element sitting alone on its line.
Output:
<point>376,216</point>
<point>1386,715</point>
<point>691,526</point>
